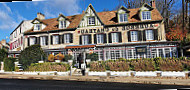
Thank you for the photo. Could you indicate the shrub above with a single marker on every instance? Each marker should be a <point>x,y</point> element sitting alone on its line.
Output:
<point>31,54</point>
<point>3,54</point>
<point>143,65</point>
<point>51,58</point>
<point>68,57</point>
<point>60,67</point>
<point>117,66</point>
<point>170,65</point>
<point>97,66</point>
<point>9,64</point>
<point>59,57</point>
<point>92,56</point>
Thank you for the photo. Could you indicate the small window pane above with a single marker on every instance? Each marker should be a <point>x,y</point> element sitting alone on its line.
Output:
<point>100,38</point>
<point>123,17</point>
<point>115,37</point>
<point>149,35</point>
<point>134,36</point>
<point>67,38</point>
<point>85,39</point>
<point>91,21</point>
<point>146,15</point>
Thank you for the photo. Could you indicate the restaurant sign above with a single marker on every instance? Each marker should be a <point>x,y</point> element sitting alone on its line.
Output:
<point>126,27</point>
<point>141,50</point>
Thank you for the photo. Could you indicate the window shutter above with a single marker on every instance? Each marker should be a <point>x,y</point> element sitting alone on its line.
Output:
<point>155,34</point>
<point>129,36</point>
<point>95,39</point>
<point>28,41</point>
<point>110,38</point>
<point>120,37</point>
<point>105,38</point>
<point>63,39</point>
<point>52,40</point>
<point>71,38</point>
<point>139,36</point>
<point>59,39</point>
<point>80,41</point>
<point>90,39</point>
<point>144,35</point>
<point>36,40</point>
<point>46,40</point>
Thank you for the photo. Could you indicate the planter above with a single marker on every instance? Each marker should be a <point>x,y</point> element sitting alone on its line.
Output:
<point>145,74</point>
<point>31,73</point>
<point>40,61</point>
<point>113,73</point>
<point>62,73</point>
<point>97,73</point>
<point>57,61</point>
<point>20,73</point>
<point>173,74</point>
<point>47,73</point>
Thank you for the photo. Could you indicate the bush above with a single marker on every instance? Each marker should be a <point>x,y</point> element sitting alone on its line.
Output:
<point>51,58</point>
<point>170,65</point>
<point>92,56</point>
<point>60,67</point>
<point>143,65</point>
<point>59,57</point>
<point>117,65</point>
<point>97,66</point>
<point>9,64</point>
<point>68,57</point>
<point>31,54</point>
<point>3,54</point>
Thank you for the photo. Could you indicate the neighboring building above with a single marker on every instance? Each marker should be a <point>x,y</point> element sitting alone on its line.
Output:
<point>4,44</point>
<point>17,37</point>
<point>125,33</point>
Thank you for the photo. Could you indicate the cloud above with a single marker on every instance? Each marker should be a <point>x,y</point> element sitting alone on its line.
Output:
<point>6,16</point>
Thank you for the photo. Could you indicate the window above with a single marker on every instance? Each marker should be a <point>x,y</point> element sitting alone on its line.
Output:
<point>115,37</point>
<point>42,41</point>
<point>134,36</point>
<point>91,21</point>
<point>56,39</point>
<point>62,24</point>
<point>123,17</point>
<point>100,38</point>
<point>146,15</point>
<point>37,26</point>
<point>85,39</point>
<point>149,35</point>
<point>32,40</point>
<point>67,38</point>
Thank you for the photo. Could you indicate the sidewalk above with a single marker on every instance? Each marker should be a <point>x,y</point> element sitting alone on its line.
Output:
<point>142,80</point>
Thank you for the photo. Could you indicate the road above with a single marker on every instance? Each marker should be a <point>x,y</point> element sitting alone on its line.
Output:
<point>16,84</point>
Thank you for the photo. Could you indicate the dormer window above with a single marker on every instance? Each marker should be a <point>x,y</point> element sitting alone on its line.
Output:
<point>62,24</point>
<point>91,20</point>
<point>37,27</point>
<point>123,17</point>
<point>146,15</point>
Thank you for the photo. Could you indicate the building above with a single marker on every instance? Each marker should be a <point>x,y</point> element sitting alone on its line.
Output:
<point>124,33</point>
<point>4,44</point>
<point>17,37</point>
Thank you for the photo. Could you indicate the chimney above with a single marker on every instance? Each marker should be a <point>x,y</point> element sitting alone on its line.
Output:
<point>153,3</point>
<point>40,16</point>
<point>83,12</point>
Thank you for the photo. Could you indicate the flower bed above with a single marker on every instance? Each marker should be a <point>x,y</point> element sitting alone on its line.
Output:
<point>47,66</point>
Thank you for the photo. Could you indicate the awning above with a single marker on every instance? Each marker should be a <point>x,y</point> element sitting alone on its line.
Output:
<point>80,46</point>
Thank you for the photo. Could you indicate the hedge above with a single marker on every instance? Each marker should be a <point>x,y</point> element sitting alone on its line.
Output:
<point>154,64</point>
<point>9,64</point>
<point>47,66</point>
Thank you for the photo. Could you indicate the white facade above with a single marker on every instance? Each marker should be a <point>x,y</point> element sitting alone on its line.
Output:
<point>17,37</point>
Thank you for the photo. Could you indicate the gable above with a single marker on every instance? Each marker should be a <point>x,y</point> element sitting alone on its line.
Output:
<point>36,21</point>
<point>90,12</point>
<point>146,7</point>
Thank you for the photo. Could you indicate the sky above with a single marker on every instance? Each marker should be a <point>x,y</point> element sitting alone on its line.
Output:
<point>13,13</point>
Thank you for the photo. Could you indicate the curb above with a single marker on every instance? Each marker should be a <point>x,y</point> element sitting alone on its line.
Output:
<point>185,82</point>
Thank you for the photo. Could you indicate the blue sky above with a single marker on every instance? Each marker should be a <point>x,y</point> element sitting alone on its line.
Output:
<point>12,13</point>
